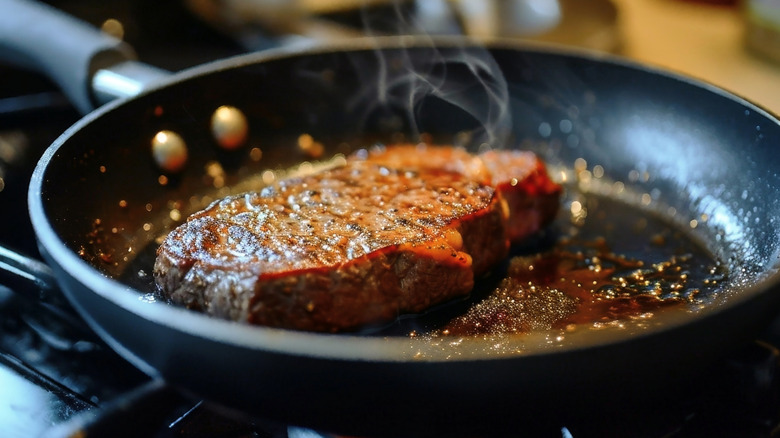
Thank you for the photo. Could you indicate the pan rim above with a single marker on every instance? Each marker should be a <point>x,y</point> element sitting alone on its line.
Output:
<point>328,346</point>
<point>448,41</point>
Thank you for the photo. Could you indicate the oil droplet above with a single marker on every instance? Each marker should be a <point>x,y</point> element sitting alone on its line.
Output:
<point>310,147</point>
<point>175,215</point>
<point>256,154</point>
<point>305,141</point>
<point>584,178</point>
<point>169,151</point>
<point>545,130</point>
<point>217,174</point>
<point>113,27</point>
<point>123,203</point>
<point>229,127</point>
<point>269,177</point>
<point>306,168</point>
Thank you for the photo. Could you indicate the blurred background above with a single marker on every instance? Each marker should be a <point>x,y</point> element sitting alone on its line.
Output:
<point>731,43</point>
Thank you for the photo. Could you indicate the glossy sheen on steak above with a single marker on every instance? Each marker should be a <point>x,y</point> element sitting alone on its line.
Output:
<point>393,231</point>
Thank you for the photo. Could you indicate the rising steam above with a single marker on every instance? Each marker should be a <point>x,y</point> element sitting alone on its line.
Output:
<point>466,78</point>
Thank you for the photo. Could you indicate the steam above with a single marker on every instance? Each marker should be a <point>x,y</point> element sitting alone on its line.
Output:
<point>415,83</point>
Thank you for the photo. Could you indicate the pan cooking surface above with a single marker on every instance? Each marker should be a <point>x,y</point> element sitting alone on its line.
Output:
<point>603,263</point>
<point>621,265</point>
<point>687,194</point>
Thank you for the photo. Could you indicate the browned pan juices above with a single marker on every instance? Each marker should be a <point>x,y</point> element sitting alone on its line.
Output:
<point>585,283</point>
<point>605,261</point>
<point>622,264</point>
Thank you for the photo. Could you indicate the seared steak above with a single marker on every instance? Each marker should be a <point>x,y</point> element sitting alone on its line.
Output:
<point>393,231</point>
<point>520,178</point>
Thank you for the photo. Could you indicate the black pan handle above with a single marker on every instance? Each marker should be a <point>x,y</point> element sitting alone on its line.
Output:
<point>19,272</point>
<point>141,412</point>
<point>91,67</point>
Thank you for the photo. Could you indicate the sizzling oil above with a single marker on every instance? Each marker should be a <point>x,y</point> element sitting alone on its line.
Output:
<point>604,260</point>
<point>575,284</point>
<point>619,263</point>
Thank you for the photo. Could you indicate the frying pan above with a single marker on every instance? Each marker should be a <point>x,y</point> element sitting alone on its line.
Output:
<point>684,152</point>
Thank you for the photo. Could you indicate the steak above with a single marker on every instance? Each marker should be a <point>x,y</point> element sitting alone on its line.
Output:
<point>519,177</point>
<point>392,231</point>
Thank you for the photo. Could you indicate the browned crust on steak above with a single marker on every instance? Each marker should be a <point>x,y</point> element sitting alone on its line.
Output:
<point>335,250</point>
<point>520,178</point>
<point>342,248</point>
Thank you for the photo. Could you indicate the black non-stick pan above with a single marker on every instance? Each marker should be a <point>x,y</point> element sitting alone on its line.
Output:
<point>636,146</point>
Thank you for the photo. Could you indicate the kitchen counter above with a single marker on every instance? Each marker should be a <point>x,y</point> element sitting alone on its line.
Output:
<point>702,40</point>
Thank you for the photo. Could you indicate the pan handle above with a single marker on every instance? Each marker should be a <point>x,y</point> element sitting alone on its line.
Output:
<point>137,413</point>
<point>91,67</point>
<point>19,272</point>
<point>140,412</point>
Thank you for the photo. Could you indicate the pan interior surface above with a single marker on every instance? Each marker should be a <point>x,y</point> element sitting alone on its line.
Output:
<point>678,158</point>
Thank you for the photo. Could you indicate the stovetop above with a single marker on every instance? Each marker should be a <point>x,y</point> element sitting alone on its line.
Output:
<point>57,377</point>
